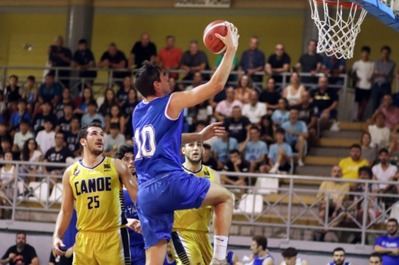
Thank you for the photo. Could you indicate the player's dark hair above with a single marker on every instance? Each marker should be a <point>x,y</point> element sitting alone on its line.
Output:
<point>383,150</point>
<point>356,146</point>
<point>376,255</point>
<point>123,149</point>
<point>366,49</point>
<point>83,132</point>
<point>338,249</point>
<point>145,78</point>
<point>260,241</point>
<point>289,253</point>
<point>386,48</point>
<point>393,220</point>
<point>21,232</point>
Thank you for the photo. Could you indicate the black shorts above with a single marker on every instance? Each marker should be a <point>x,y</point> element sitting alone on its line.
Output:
<point>362,94</point>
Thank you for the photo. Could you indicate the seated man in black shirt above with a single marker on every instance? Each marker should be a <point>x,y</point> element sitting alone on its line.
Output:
<point>278,63</point>
<point>21,253</point>
<point>325,101</point>
<point>270,95</point>
<point>57,154</point>
<point>235,164</point>
<point>115,59</point>
<point>208,158</point>
<point>193,60</point>
<point>83,59</point>
<point>60,56</point>
<point>237,124</point>
<point>143,50</point>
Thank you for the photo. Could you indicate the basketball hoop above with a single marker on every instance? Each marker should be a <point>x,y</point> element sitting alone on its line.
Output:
<point>337,28</point>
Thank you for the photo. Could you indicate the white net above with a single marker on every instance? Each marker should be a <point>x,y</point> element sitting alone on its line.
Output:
<point>338,23</point>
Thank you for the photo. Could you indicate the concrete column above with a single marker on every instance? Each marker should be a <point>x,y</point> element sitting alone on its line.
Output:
<point>79,22</point>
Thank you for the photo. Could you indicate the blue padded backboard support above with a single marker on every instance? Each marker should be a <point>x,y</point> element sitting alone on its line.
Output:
<point>381,11</point>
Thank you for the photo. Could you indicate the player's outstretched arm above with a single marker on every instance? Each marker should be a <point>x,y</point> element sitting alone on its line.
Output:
<point>186,99</point>
<point>65,214</point>
<point>128,181</point>
<point>212,130</point>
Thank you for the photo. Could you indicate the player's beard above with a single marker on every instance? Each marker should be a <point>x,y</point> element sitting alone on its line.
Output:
<point>195,161</point>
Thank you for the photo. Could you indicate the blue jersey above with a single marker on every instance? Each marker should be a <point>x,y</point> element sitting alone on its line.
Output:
<point>259,260</point>
<point>388,242</point>
<point>230,257</point>
<point>333,263</point>
<point>130,211</point>
<point>70,233</point>
<point>157,140</point>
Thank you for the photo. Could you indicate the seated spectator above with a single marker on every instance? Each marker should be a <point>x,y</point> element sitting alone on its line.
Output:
<point>280,154</point>
<point>296,134</point>
<point>86,97</point>
<point>21,114</point>
<point>92,115</point>
<point>281,114</point>
<point>29,93</point>
<point>50,90</point>
<point>254,149</point>
<point>362,70</point>
<point>113,140</point>
<point>369,152</point>
<point>394,145</point>
<point>72,136</point>
<point>254,110</point>
<point>325,102</point>
<point>390,111</point>
<point>46,137</point>
<point>350,165</point>
<point>115,117</point>
<point>339,257</point>
<point>388,245</point>
<point>253,60</point>
<point>294,91</point>
<point>8,174</point>
<point>66,99</point>
<point>269,95</point>
<point>290,256</point>
<point>306,114</point>
<point>21,136</point>
<point>6,145</point>
<point>225,107</point>
<point>60,56</point>
<point>237,124</point>
<point>375,259</point>
<point>332,194</point>
<point>123,91</point>
<point>260,253</point>
<point>333,68</point>
<point>109,101</point>
<point>114,59</point>
<point>57,154</point>
<point>83,60</point>
<point>21,253</point>
<point>310,62</point>
<point>208,158</point>
<point>64,123</point>
<point>12,91</point>
<point>266,129</point>
<point>384,171</point>
<point>279,62</point>
<point>380,134</point>
<point>222,146</point>
<point>170,56</point>
<point>46,114</point>
<point>235,164</point>
<point>197,80</point>
<point>31,153</point>
<point>243,90</point>
<point>384,69</point>
<point>193,60</point>
<point>142,50</point>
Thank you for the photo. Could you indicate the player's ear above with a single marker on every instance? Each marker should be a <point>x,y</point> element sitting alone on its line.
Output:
<point>157,87</point>
<point>82,141</point>
<point>183,150</point>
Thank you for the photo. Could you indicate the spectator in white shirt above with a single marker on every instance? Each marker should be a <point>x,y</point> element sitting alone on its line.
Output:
<point>114,139</point>
<point>21,136</point>
<point>254,110</point>
<point>384,171</point>
<point>225,107</point>
<point>363,71</point>
<point>380,134</point>
<point>46,137</point>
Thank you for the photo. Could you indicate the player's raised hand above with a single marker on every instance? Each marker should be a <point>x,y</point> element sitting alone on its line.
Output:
<point>231,38</point>
<point>58,245</point>
<point>214,129</point>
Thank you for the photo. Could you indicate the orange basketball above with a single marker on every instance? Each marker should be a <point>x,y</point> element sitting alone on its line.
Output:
<point>211,42</point>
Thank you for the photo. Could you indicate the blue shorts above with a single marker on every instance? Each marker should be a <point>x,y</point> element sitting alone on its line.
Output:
<point>158,199</point>
<point>137,254</point>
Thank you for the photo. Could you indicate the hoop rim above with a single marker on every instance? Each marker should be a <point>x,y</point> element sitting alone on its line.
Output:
<point>343,3</point>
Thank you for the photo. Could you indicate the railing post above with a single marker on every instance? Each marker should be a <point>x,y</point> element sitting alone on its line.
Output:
<point>327,207</point>
<point>15,194</point>
<point>365,213</point>
<point>290,192</point>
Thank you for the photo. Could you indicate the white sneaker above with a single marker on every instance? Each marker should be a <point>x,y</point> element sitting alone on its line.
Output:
<point>300,163</point>
<point>335,127</point>
<point>274,169</point>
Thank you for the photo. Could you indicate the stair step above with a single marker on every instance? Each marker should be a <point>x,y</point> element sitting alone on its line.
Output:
<point>353,126</point>
<point>321,160</point>
<point>336,142</point>
<point>343,134</point>
<point>328,151</point>
<point>308,170</point>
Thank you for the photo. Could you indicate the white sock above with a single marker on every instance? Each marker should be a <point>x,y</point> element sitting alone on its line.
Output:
<point>220,247</point>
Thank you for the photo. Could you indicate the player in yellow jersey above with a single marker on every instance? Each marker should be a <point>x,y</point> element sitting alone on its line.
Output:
<point>192,226</point>
<point>93,186</point>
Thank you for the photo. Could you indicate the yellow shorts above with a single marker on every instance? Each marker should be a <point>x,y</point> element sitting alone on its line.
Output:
<point>102,248</point>
<point>198,247</point>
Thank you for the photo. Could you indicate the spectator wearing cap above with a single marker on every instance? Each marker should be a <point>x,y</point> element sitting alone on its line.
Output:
<point>290,256</point>
<point>21,114</point>
<point>279,62</point>
<point>50,90</point>
<point>351,164</point>
<point>21,136</point>
<point>92,115</point>
<point>254,110</point>
<point>237,124</point>
<point>388,245</point>
<point>83,60</point>
<point>225,107</point>
<point>280,153</point>
<point>113,140</point>
<point>46,137</point>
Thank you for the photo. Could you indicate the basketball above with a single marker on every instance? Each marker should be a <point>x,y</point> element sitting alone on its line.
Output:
<point>211,42</point>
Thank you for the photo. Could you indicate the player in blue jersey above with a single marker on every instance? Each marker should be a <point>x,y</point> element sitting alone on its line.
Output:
<point>163,184</point>
<point>260,253</point>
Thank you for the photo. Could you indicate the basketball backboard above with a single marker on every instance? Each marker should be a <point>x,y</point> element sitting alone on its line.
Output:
<point>384,10</point>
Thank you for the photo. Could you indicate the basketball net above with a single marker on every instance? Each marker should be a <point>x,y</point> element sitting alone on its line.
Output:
<point>337,28</point>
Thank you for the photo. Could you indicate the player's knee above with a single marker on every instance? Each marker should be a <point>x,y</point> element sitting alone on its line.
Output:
<point>228,197</point>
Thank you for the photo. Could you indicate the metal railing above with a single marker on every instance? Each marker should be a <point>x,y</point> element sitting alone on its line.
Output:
<point>280,202</point>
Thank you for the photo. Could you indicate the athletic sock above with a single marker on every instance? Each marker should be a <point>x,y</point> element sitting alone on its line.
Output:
<point>220,247</point>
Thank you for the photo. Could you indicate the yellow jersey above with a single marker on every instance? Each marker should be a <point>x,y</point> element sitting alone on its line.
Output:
<point>195,219</point>
<point>350,168</point>
<point>98,196</point>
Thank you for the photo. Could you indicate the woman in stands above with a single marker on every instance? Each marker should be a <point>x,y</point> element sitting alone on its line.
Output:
<point>243,89</point>
<point>294,91</point>
<point>369,152</point>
